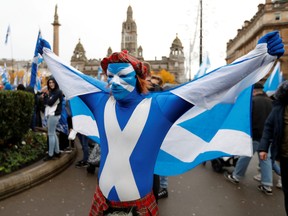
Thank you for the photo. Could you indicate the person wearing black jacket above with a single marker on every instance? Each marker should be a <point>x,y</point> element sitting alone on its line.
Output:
<point>275,133</point>
<point>53,108</point>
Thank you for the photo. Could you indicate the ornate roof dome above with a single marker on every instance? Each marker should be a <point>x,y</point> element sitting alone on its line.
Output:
<point>79,47</point>
<point>177,42</point>
<point>79,53</point>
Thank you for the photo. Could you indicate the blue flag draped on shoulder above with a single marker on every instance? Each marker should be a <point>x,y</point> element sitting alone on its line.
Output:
<point>34,67</point>
<point>273,81</point>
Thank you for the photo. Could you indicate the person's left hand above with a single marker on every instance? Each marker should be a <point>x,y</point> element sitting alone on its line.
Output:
<point>274,42</point>
<point>263,155</point>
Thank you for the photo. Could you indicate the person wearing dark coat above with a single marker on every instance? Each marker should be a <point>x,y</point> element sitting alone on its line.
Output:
<point>275,133</point>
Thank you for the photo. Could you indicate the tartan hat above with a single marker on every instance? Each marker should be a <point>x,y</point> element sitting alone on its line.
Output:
<point>124,57</point>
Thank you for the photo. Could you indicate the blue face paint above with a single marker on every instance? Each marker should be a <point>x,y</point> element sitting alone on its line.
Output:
<point>122,79</point>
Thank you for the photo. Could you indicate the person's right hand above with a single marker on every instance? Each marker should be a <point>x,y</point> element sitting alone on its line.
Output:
<point>275,45</point>
<point>41,44</point>
<point>263,155</point>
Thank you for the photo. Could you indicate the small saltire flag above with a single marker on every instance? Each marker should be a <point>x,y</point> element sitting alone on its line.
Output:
<point>7,34</point>
<point>99,73</point>
<point>5,75</point>
<point>207,134</point>
<point>273,81</point>
<point>1,71</point>
<point>35,62</point>
<point>38,86</point>
<point>16,80</point>
<point>203,67</point>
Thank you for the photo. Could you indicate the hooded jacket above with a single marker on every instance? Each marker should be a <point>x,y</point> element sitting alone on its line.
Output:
<point>53,101</point>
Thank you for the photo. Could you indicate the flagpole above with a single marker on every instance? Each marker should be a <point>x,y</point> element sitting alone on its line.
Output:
<point>191,45</point>
<point>11,47</point>
<point>201,36</point>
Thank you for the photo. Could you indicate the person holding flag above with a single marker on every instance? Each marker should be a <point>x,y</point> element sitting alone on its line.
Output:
<point>132,124</point>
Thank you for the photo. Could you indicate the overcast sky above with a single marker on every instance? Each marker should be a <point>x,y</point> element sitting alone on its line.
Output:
<point>98,24</point>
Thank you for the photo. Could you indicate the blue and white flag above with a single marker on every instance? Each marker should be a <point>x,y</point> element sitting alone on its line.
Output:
<point>16,81</point>
<point>7,35</point>
<point>224,130</point>
<point>35,62</point>
<point>99,73</point>
<point>38,86</point>
<point>273,81</point>
<point>217,126</point>
<point>83,119</point>
<point>203,67</point>
<point>5,75</point>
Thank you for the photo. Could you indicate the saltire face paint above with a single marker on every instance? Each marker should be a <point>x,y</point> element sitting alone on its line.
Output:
<point>122,79</point>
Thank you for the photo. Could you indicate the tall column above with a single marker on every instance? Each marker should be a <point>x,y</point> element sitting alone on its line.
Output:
<point>56,25</point>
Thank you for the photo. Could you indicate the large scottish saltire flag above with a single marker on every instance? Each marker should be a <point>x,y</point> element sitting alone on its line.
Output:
<point>273,81</point>
<point>34,66</point>
<point>218,125</point>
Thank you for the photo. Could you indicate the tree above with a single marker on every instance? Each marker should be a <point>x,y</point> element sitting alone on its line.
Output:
<point>167,77</point>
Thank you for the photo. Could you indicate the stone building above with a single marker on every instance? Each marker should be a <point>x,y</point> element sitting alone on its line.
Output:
<point>271,16</point>
<point>174,63</point>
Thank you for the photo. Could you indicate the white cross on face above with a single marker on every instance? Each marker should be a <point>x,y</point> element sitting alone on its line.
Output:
<point>117,169</point>
<point>122,78</point>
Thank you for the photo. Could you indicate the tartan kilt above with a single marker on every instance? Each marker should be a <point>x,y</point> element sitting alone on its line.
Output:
<point>146,206</point>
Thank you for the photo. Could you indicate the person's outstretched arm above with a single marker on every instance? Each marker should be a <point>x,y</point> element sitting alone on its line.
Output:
<point>71,81</point>
<point>225,83</point>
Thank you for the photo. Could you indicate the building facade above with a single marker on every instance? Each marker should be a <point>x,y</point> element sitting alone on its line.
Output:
<point>174,63</point>
<point>271,16</point>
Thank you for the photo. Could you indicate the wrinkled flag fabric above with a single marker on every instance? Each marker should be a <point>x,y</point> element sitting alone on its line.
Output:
<point>185,145</point>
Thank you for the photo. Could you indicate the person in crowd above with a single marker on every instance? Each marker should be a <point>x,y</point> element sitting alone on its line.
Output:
<point>261,107</point>
<point>21,87</point>
<point>154,87</point>
<point>36,120</point>
<point>156,83</point>
<point>160,184</point>
<point>133,123</point>
<point>85,149</point>
<point>62,129</point>
<point>82,138</point>
<point>8,86</point>
<point>53,108</point>
<point>275,136</point>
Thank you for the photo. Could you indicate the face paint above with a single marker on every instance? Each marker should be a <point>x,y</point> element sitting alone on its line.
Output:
<point>122,79</point>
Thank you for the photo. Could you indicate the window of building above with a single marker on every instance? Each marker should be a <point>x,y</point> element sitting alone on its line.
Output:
<point>277,16</point>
